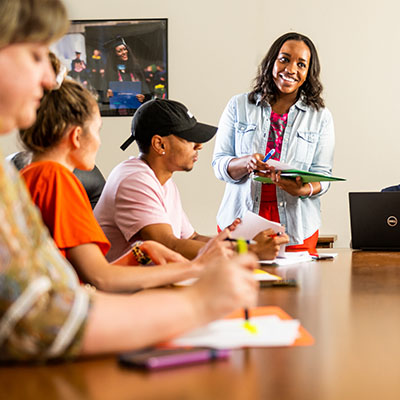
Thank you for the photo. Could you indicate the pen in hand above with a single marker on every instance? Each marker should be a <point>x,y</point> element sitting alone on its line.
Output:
<point>235,240</point>
<point>269,155</point>
<point>242,249</point>
<point>266,158</point>
<point>247,324</point>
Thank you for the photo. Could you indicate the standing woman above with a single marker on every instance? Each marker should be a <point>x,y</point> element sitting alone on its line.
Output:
<point>284,112</point>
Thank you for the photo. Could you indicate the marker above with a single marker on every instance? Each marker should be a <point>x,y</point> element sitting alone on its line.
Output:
<point>269,155</point>
<point>235,241</point>
<point>241,246</point>
<point>242,249</point>
<point>247,324</point>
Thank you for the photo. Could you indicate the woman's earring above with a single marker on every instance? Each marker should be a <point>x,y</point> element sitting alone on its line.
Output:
<point>163,153</point>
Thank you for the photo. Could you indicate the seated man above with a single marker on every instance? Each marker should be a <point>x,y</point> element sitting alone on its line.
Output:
<point>140,201</point>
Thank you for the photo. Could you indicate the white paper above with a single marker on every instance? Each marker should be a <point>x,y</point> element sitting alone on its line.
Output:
<point>279,165</point>
<point>252,224</point>
<point>231,333</point>
<point>290,258</point>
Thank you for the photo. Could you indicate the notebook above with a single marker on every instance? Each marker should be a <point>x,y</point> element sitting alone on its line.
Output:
<point>375,220</point>
<point>275,329</point>
<point>287,171</point>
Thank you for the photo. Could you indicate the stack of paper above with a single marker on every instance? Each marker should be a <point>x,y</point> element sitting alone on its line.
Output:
<point>252,224</point>
<point>290,258</point>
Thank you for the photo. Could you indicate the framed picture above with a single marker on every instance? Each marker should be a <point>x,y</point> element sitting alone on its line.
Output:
<point>124,63</point>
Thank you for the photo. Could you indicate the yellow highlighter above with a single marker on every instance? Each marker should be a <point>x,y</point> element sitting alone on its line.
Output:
<point>242,249</point>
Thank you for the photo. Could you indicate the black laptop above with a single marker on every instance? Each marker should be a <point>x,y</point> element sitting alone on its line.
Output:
<point>375,220</point>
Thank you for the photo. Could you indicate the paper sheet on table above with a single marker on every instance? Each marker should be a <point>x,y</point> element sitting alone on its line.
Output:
<point>259,275</point>
<point>231,333</point>
<point>252,224</point>
<point>290,258</point>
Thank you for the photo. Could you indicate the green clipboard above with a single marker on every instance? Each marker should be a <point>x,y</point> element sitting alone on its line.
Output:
<point>305,176</point>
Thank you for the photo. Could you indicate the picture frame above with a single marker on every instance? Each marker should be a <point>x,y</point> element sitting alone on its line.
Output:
<point>123,62</point>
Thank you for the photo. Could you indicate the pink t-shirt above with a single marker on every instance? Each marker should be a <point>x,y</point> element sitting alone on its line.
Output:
<point>133,198</point>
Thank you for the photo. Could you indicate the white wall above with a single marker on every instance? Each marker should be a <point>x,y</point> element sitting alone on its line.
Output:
<point>214,50</point>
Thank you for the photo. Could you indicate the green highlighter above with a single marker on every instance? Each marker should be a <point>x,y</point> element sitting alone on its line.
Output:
<point>241,247</point>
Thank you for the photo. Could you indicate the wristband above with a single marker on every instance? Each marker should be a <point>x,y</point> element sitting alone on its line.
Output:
<point>140,256</point>
<point>312,189</point>
<point>311,192</point>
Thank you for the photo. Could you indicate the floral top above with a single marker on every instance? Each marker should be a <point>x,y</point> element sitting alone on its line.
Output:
<point>275,139</point>
<point>276,131</point>
<point>43,309</point>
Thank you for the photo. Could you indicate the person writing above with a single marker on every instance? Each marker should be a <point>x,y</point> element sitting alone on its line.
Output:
<point>140,201</point>
<point>66,136</point>
<point>44,312</point>
<point>284,112</point>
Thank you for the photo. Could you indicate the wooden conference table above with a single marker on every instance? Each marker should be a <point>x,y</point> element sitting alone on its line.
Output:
<point>351,306</point>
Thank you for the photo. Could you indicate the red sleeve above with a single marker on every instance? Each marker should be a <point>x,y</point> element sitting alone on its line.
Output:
<point>64,205</point>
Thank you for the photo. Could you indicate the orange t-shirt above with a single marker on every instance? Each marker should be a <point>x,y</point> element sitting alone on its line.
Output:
<point>64,205</point>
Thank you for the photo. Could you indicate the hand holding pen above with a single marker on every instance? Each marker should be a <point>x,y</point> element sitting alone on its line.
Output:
<point>242,249</point>
<point>225,285</point>
<point>258,162</point>
<point>268,244</point>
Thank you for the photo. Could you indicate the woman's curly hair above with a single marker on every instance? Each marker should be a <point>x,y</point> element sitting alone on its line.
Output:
<point>264,84</point>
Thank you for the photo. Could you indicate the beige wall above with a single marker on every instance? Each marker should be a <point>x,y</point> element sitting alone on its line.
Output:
<point>214,49</point>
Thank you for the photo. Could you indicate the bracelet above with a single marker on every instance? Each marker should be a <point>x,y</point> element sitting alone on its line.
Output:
<point>312,189</point>
<point>311,192</point>
<point>140,256</point>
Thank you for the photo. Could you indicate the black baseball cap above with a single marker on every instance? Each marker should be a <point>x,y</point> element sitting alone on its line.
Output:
<point>167,117</point>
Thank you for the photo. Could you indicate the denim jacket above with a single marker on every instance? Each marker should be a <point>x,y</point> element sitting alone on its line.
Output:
<point>308,144</point>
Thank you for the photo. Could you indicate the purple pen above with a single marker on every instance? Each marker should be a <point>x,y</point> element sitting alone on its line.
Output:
<point>154,358</point>
<point>192,357</point>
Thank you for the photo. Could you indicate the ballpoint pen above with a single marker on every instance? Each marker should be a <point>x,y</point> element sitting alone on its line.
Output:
<point>269,155</point>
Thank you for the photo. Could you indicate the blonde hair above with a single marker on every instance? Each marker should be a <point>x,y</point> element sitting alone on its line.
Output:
<point>23,21</point>
<point>70,105</point>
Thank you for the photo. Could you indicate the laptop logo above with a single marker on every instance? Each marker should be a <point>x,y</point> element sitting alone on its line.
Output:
<point>392,220</point>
